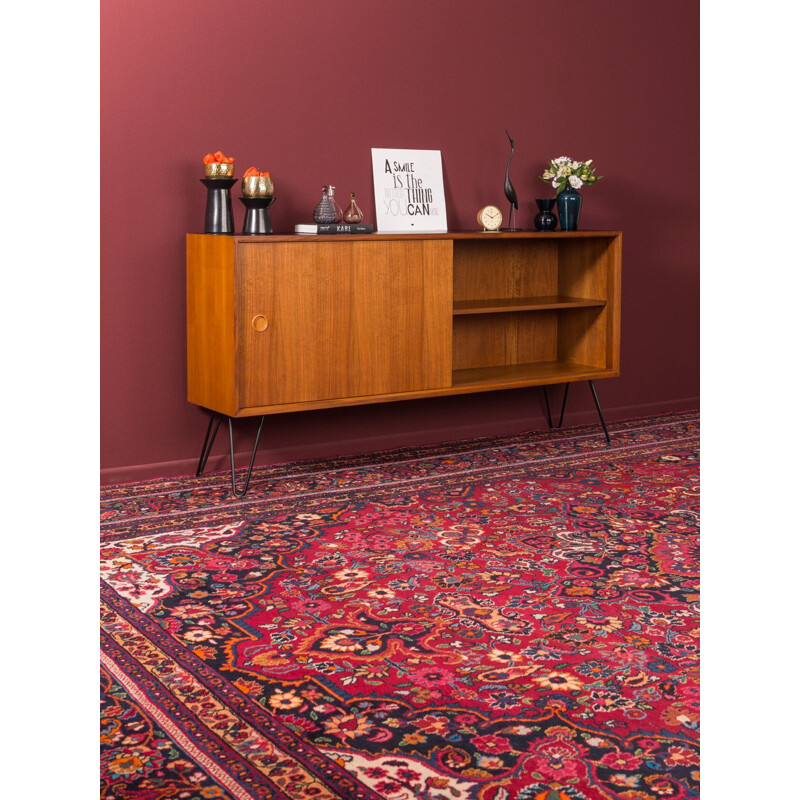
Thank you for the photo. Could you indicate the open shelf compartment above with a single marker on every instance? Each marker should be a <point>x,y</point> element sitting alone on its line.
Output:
<point>534,310</point>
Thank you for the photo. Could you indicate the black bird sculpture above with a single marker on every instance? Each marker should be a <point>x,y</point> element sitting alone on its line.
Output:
<point>509,190</point>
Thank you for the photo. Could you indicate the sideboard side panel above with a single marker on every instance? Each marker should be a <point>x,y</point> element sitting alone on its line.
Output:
<point>210,345</point>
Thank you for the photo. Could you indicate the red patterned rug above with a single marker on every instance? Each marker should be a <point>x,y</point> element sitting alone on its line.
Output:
<point>502,618</point>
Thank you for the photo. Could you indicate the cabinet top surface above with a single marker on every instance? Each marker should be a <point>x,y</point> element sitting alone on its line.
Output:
<point>371,237</point>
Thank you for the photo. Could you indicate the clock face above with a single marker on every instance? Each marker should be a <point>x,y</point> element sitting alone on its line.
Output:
<point>490,218</point>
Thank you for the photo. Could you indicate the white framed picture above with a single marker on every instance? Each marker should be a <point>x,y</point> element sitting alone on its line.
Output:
<point>409,191</point>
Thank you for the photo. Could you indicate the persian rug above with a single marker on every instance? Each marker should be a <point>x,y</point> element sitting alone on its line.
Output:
<point>512,617</point>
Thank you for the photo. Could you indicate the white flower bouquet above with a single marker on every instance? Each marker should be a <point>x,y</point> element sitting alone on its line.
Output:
<point>563,172</point>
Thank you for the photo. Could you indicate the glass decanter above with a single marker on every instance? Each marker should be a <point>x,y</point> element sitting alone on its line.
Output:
<point>353,213</point>
<point>336,207</point>
<point>324,213</point>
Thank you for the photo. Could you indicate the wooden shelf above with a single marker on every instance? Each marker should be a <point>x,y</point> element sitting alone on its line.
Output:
<point>504,305</point>
<point>545,372</point>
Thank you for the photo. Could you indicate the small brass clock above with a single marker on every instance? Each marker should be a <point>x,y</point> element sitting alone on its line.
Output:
<point>490,218</point>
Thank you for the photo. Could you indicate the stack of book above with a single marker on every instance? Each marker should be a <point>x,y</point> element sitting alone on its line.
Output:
<point>342,227</point>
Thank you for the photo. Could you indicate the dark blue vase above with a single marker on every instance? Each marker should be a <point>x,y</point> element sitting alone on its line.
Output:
<point>569,208</point>
<point>545,220</point>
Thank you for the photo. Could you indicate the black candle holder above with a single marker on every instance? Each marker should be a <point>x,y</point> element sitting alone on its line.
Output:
<point>219,214</point>
<point>256,218</point>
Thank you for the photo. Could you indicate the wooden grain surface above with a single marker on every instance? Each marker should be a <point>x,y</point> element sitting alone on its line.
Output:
<point>345,319</point>
<point>210,349</point>
<point>286,323</point>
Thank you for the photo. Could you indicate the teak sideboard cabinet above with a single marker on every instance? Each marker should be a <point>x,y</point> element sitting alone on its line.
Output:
<point>287,323</point>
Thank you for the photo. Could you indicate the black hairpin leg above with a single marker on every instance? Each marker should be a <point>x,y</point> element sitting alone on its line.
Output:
<point>208,442</point>
<point>547,407</point>
<point>599,411</point>
<point>241,492</point>
<point>564,405</point>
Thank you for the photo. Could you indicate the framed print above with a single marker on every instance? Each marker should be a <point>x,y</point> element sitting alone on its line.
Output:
<point>409,191</point>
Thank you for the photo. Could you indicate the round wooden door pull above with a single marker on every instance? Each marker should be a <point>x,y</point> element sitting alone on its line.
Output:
<point>260,323</point>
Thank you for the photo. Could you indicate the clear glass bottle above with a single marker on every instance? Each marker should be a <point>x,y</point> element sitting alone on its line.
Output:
<point>353,213</point>
<point>336,207</point>
<point>324,213</point>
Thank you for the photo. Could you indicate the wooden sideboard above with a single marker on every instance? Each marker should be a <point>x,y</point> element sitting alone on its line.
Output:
<point>287,323</point>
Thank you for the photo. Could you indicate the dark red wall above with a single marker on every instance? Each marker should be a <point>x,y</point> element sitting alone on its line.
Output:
<point>304,90</point>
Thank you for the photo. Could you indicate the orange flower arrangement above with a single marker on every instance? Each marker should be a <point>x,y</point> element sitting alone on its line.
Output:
<point>218,158</point>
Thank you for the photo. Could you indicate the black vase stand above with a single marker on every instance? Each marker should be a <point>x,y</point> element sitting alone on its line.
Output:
<point>219,214</point>
<point>256,218</point>
<point>564,404</point>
